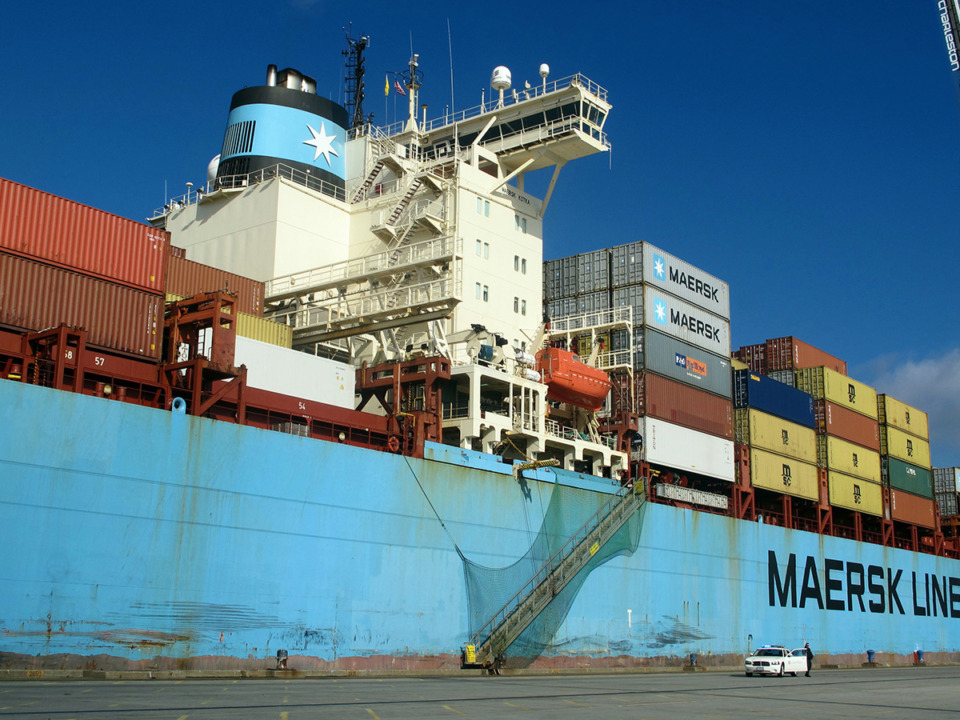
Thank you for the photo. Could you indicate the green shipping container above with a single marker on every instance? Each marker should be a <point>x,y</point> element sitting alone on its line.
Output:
<point>909,478</point>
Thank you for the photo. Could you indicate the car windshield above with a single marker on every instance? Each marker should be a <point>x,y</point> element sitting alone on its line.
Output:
<point>769,652</point>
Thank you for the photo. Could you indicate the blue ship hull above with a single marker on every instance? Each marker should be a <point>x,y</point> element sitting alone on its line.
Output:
<point>138,538</point>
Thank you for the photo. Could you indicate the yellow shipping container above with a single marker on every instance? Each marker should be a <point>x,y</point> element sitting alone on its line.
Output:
<point>826,384</point>
<point>768,432</point>
<point>891,411</point>
<point>256,328</point>
<point>264,330</point>
<point>738,365</point>
<point>855,494</point>
<point>904,446</point>
<point>784,475</point>
<point>848,458</point>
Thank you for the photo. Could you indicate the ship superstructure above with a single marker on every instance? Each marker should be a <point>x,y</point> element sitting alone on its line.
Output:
<point>378,244</point>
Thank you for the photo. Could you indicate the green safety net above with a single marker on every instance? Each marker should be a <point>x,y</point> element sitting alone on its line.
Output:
<point>488,589</point>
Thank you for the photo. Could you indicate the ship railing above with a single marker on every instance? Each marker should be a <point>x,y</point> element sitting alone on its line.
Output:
<point>237,182</point>
<point>369,265</point>
<point>455,412</point>
<point>333,311</point>
<point>589,320</point>
<point>522,95</point>
<point>552,427</point>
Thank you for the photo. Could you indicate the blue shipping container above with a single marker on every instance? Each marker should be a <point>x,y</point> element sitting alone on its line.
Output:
<point>776,398</point>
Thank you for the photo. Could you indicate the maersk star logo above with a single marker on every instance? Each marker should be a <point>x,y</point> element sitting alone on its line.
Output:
<point>322,144</point>
<point>659,267</point>
<point>660,311</point>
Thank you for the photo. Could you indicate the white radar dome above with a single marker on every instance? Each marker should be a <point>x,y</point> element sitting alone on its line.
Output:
<point>212,168</point>
<point>500,80</point>
<point>544,70</point>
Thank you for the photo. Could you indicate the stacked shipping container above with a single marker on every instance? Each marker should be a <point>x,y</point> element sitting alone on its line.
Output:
<point>681,347</point>
<point>66,263</point>
<point>775,423</point>
<point>946,485</point>
<point>905,453</point>
<point>852,468</point>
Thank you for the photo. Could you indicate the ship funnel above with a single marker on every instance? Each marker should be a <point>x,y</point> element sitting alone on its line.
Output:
<point>271,75</point>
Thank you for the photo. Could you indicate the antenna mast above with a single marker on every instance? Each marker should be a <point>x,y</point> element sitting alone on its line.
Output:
<point>354,79</point>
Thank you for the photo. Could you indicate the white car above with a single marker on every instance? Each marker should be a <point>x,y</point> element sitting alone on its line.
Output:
<point>776,660</point>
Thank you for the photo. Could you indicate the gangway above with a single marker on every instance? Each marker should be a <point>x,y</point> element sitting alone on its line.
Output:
<point>487,646</point>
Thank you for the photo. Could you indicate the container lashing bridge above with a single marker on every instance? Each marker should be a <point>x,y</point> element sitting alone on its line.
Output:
<point>487,648</point>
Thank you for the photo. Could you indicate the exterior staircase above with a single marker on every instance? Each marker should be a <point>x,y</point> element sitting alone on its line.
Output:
<point>487,646</point>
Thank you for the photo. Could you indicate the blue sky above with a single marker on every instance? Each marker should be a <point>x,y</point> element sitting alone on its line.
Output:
<point>806,153</point>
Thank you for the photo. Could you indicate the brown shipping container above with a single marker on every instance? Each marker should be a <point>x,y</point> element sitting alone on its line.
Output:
<point>77,237</point>
<point>188,278</point>
<point>841,422</point>
<point>36,296</point>
<point>912,509</point>
<point>754,356</point>
<point>788,353</point>
<point>683,405</point>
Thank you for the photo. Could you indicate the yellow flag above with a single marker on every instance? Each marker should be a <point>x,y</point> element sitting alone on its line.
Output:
<point>386,85</point>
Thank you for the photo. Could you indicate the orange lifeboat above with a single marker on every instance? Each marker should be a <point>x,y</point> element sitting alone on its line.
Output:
<point>570,380</point>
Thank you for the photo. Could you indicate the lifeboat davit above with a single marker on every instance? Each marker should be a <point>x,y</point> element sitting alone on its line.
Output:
<point>570,380</point>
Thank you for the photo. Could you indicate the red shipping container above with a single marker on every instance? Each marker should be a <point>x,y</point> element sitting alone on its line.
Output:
<point>754,356</point>
<point>913,509</point>
<point>684,405</point>
<point>788,353</point>
<point>187,278</point>
<point>77,237</point>
<point>846,424</point>
<point>36,296</point>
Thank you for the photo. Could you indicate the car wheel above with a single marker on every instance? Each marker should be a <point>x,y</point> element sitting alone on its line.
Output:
<point>780,674</point>
<point>793,674</point>
<point>749,674</point>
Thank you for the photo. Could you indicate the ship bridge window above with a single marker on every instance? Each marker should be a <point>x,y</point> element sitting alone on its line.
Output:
<point>593,114</point>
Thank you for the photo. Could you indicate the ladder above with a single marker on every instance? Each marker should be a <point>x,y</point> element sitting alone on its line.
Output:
<point>487,646</point>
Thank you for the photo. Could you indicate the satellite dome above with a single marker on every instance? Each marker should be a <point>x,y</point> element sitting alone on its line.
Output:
<point>500,80</point>
<point>212,168</point>
<point>544,70</point>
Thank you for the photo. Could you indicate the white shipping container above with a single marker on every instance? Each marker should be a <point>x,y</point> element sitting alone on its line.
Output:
<point>687,282</point>
<point>669,314</point>
<point>684,449</point>
<point>297,374</point>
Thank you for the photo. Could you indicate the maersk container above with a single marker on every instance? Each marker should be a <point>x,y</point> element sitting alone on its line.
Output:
<point>629,296</point>
<point>843,423</point>
<point>35,296</point>
<point>904,446</point>
<point>297,374</point>
<point>593,271</point>
<point>855,493</point>
<point>786,475</point>
<point>188,278</point>
<point>686,449</point>
<point>901,475</point>
<point>789,353</point>
<point>689,283</point>
<point>626,265</point>
<point>669,314</point>
<point>757,391</point>
<point>848,458</point>
<point>677,360</point>
<point>908,508</point>
<point>946,479</point>
<point>681,404</point>
<point>826,384</point>
<point>891,411</point>
<point>774,434</point>
<point>80,238</point>
<point>755,356</point>
<point>560,278</point>
<point>592,302</point>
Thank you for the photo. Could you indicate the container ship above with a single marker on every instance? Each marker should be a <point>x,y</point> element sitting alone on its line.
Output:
<point>332,412</point>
